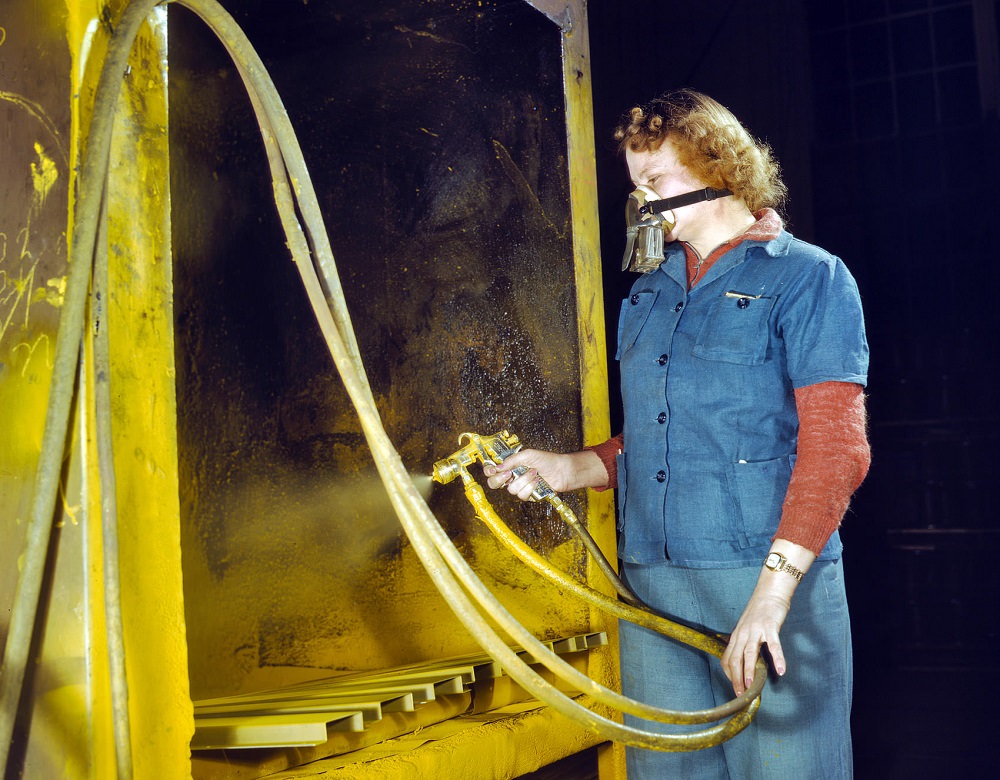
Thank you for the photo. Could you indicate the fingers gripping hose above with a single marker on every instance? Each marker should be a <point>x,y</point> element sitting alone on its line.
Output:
<point>311,252</point>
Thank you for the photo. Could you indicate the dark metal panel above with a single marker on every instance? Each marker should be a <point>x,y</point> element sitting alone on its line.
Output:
<point>436,137</point>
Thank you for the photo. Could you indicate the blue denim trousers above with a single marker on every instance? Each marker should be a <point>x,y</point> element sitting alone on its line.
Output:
<point>802,729</point>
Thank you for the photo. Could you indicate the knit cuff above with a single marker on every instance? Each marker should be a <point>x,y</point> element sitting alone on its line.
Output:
<point>608,452</point>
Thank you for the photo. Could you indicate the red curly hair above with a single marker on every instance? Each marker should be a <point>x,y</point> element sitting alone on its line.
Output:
<point>710,142</point>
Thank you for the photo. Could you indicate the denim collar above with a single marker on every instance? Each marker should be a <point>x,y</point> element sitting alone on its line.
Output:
<point>675,266</point>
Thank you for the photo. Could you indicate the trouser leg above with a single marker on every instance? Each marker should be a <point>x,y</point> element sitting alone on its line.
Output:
<point>803,727</point>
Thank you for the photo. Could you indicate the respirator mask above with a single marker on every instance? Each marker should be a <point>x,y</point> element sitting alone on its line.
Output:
<point>648,220</point>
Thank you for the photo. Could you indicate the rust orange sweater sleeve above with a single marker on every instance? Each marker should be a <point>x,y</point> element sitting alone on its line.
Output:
<point>833,459</point>
<point>608,453</point>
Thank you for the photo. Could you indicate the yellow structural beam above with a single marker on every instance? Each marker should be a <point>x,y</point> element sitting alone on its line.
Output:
<point>141,323</point>
<point>595,407</point>
<point>68,729</point>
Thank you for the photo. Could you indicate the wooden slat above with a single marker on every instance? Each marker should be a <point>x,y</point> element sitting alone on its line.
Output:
<point>421,691</point>
<point>417,692</point>
<point>270,730</point>
<point>296,715</point>
<point>372,710</point>
<point>394,676</point>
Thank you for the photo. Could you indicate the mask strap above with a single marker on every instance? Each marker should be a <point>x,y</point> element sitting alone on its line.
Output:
<point>668,204</point>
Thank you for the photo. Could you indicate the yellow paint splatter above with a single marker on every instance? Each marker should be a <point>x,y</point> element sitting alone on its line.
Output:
<point>43,177</point>
<point>36,111</point>
<point>53,293</point>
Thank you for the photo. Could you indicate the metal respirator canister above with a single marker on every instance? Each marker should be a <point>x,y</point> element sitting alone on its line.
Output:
<point>649,220</point>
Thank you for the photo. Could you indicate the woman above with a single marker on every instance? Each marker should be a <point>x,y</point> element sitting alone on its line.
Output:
<point>743,362</point>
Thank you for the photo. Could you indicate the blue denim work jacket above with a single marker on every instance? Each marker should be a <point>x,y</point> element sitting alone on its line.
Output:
<point>707,387</point>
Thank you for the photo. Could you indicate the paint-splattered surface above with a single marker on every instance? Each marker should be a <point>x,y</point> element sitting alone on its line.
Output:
<point>34,117</point>
<point>436,140</point>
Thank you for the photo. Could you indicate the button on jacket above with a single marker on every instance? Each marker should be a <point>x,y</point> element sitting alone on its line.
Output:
<point>707,386</point>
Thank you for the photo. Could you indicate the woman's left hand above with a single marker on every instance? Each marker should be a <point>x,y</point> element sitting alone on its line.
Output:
<point>759,625</point>
<point>763,617</point>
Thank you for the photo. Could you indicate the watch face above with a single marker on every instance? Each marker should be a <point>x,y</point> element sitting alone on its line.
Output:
<point>772,560</point>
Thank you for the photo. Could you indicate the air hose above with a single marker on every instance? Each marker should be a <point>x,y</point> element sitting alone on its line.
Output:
<point>495,449</point>
<point>425,533</point>
<point>313,257</point>
<point>69,335</point>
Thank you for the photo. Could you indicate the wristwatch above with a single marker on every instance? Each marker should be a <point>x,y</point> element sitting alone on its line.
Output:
<point>778,562</point>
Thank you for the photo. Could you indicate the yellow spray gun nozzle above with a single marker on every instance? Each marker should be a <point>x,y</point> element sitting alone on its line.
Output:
<point>486,449</point>
<point>494,449</point>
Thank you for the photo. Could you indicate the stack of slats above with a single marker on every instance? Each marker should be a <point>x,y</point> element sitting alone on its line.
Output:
<point>305,714</point>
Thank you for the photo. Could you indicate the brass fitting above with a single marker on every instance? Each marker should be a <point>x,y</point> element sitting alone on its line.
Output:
<point>488,449</point>
<point>485,449</point>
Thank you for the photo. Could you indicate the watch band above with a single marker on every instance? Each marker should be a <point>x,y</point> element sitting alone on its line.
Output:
<point>778,562</point>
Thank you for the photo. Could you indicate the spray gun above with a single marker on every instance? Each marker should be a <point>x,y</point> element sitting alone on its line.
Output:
<point>494,449</point>
<point>488,449</point>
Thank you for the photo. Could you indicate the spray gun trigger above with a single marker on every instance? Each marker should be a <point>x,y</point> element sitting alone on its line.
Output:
<point>503,449</point>
<point>505,446</point>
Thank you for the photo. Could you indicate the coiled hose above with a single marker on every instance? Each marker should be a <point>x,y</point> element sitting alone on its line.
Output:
<point>314,261</point>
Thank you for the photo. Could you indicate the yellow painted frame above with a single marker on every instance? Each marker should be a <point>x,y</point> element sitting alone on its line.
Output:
<point>140,323</point>
<point>140,326</point>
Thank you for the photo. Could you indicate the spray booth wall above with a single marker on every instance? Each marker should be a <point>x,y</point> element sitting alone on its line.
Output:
<point>35,159</point>
<point>436,137</point>
<point>54,573</point>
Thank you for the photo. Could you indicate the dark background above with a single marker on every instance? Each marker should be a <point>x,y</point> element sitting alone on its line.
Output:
<point>883,114</point>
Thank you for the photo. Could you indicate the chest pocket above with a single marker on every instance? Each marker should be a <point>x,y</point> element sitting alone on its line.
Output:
<point>633,315</point>
<point>737,330</point>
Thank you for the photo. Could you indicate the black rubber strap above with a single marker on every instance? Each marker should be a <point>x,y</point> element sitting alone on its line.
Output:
<point>659,206</point>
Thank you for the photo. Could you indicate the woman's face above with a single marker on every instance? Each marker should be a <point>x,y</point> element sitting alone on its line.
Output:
<point>661,172</point>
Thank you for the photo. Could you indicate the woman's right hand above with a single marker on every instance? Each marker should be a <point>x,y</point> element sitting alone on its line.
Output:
<point>562,472</point>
